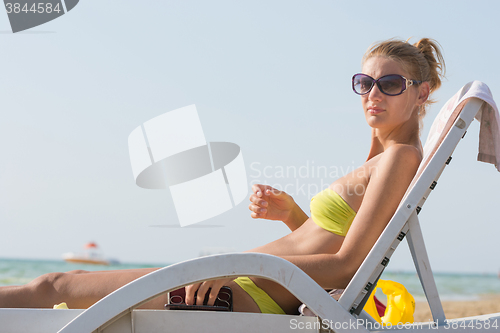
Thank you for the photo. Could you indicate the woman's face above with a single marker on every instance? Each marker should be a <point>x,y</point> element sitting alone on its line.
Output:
<point>383,111</point>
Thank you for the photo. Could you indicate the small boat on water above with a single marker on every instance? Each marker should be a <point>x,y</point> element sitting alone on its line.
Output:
<point>91,256</point>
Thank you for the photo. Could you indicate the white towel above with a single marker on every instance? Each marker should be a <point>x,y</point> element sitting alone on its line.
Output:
<point>488,116</point>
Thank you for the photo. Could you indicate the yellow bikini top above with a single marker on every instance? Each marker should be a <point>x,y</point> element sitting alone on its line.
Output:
<point>331,212</point>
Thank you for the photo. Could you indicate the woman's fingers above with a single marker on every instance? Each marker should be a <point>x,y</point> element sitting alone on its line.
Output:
<point>257,209</point>
<point>212,287</point>
<point>258,205</point>
<point>202,291</point>
<point>264,190</point>
<point>214,291</point>
<point>190,290</point>
<point>273,192</point>
<point>257,212</point>
<point>216,287</point>
<point>261,190</point>
<point>258,201</point>
<point>257,189</point>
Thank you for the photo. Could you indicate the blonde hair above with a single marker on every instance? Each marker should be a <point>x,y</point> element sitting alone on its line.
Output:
<point>423,61</point>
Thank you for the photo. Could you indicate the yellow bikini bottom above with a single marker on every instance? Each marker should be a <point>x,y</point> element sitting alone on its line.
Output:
<point>265,303</point>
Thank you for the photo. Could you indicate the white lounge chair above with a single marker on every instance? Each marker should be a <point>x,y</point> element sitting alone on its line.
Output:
<point>117,313</point>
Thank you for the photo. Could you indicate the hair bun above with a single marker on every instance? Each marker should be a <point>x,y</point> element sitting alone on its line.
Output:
<point>432,53</point>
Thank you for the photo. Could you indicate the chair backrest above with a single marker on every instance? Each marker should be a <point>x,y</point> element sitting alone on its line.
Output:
<point>447,130</point>
<point>441,126</point>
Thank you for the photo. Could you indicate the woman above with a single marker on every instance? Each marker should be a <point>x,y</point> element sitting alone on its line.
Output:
<point>396,81</point>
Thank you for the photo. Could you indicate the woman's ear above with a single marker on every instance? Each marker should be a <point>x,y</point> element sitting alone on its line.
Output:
<point>423,93</point>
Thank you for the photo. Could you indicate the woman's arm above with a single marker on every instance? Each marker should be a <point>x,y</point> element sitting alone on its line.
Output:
<point>296,218</point>
<point>388,183</point>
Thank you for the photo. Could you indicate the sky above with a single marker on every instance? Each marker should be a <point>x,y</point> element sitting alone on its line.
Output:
<point>270,76</point>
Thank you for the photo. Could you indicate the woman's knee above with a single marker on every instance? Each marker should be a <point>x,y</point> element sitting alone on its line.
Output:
<point>47,285</point>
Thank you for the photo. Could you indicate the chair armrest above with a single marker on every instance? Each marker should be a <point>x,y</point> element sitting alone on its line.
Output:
<point>169,278</point>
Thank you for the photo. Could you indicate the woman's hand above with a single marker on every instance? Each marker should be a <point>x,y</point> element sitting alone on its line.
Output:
<point>202,289</point>
<point>270,203</point>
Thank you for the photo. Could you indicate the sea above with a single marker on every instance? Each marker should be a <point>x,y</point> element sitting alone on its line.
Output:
<point>451,286</point>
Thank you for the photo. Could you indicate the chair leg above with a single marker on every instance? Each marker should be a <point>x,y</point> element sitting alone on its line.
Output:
<point>423,267</point>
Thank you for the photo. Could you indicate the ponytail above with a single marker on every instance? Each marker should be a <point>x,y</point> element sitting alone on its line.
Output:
<point>436,68</point>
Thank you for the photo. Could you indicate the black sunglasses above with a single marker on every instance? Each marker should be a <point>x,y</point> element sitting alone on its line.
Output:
<point>391,85</point>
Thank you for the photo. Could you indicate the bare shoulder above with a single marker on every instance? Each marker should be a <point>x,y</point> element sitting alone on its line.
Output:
<point>406,151</point>
<point>396,167</point>
<point>400,157</point>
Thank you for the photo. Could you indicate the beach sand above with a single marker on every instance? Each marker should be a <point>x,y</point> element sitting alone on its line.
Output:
<point>458,309</point>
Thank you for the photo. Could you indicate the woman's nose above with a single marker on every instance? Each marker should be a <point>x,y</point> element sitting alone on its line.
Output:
<point>375,94</point>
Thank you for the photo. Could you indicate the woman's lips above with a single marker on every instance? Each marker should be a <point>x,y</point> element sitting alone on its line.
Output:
<point>375,110</point>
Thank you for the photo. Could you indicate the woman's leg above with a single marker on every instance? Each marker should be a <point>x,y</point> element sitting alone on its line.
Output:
<point>82,289</point>
<point>79,289</point>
